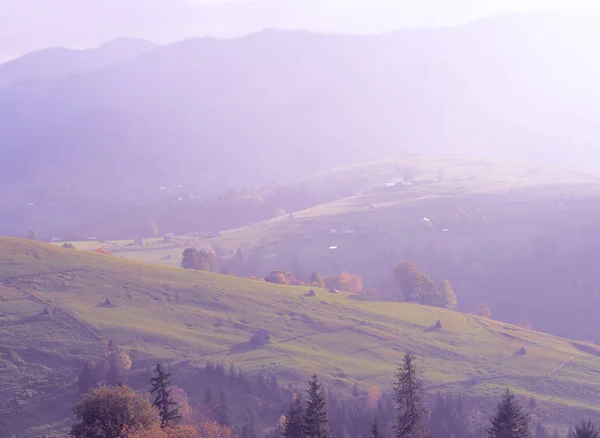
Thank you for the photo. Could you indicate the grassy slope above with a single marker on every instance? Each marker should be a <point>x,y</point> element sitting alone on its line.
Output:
<point>170,313</point>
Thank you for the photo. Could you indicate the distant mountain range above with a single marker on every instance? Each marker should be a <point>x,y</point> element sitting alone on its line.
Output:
<point>124,119</point>
<point>56,63</point>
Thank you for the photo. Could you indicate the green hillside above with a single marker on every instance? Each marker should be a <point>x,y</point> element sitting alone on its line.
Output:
<point>169,313</point>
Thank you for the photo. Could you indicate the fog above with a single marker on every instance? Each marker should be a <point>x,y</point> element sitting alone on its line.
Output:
<point>251,193</point>
<point>27,25</point>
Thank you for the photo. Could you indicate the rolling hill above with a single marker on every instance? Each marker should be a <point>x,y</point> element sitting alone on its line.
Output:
<point>177,315</point>
<point>511,236</point>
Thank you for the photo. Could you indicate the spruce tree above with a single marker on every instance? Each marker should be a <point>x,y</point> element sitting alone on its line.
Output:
<point>408,394</point>
<point>315,418</point>
<point>168,409</point>
<point>249,429</point>
<point>86,380</point>
<point>375,430</point>
<point>222,410</point>
<point>293,426</point>
<point>510,420</point>
<point>210,400</point>
<point>586,429</point>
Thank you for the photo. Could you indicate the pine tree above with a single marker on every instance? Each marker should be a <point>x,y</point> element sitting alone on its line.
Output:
<point>249,429</point>
<point>209,398</point>
<point>570,433</point>
<point>168,409</point>
<point>410,407</point>
<point>510,420</point>
<point>586,429</point>
<point>315,418</point>
<point>222,410</point>
<point>375,430</point>
<point>293,426</point>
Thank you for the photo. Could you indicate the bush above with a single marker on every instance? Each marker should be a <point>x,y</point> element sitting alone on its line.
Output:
<point>109,411</point>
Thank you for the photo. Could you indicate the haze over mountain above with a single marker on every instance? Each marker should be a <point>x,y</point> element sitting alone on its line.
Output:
<point>28,25</point>
<point>55,63</point>
<point>280,105</point>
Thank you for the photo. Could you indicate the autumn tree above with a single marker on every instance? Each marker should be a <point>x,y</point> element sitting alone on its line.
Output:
<point>586,429</point>
<point>118,363</point>
<point>168,409</point>
<point>447,297</point>
<point>200,260</point>
<point>510,419</point>
<point>108,411</point>
<point>204,429</point>
<point>409,397</point>
<point>482,310</point>
<point>293,424</point>
<point>373,397</point>
<point>316,280</point>
<point>32,235</point>
<point>315,417</point>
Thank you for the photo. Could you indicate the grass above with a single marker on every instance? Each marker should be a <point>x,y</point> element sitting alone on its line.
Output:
<point>169,313</point>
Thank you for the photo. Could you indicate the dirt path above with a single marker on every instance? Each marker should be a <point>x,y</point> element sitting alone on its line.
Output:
<point>561,365</point>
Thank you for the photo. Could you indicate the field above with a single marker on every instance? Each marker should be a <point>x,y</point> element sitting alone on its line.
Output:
<point>176,315</point>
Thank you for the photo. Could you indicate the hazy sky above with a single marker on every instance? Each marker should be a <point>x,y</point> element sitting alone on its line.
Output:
<point>27,25</point>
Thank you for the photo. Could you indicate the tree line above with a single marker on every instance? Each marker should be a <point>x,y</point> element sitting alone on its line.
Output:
<point>119,412</point>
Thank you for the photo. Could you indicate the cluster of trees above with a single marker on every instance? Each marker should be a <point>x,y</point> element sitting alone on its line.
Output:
<point>415,286</point>
<point>200,260</point>
<point>119,412</point>
<point>111,369</point>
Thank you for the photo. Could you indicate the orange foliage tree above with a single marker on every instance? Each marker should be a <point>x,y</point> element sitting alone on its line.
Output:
<point>374,397</point>
<point>205,429</point>
<point>482,310</point>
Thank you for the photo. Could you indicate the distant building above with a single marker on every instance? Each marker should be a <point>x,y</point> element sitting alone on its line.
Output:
<point>169,237</point>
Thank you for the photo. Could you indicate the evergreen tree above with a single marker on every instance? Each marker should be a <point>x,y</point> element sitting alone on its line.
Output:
<point>86,380</point>
<point>168,409</point>
<point>222,410</point>
<point>510,420</point>
<point>410,407</point>
<point>375,430</point>
<point>315,418</point>
<point>209,398</point>
<point>249,429</point>
<point>293,426</point>
<point>586,429</point>
<point>570,433</point>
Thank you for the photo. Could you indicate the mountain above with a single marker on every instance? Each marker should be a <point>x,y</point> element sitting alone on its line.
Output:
<point>56,63</point>
<point>277,105</point>
<point>53,320</point>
